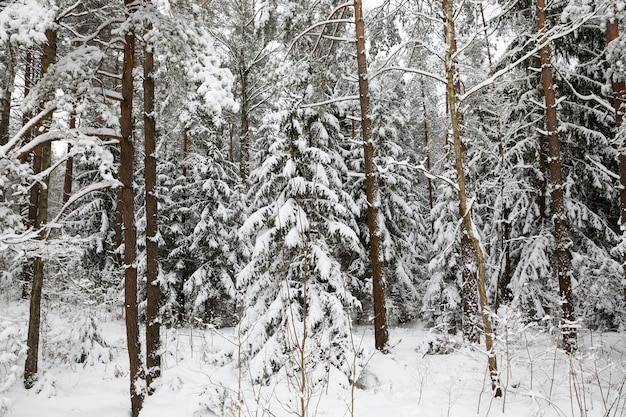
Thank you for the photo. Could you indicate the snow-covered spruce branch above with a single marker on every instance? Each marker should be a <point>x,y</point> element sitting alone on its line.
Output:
<point>602,168</point>
<point>61,134</point>
<point>421,168</point>
<point>13,239</point>
<point>331,101</point>
<point>397,49</point>
<point>32,123</point>
<point>103,185</point>
<point>551,36</point>
<point>315,25</point>
<point>341,7</point>
<point>413,70</point>
<point>589,97</point>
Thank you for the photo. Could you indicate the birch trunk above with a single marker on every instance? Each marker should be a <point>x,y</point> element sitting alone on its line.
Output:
<point>465,209</point>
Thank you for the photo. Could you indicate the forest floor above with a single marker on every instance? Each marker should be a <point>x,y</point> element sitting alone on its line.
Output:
<point>423,375</point>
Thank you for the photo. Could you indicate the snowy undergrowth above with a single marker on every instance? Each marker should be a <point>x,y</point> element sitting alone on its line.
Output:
<point>538,378</point>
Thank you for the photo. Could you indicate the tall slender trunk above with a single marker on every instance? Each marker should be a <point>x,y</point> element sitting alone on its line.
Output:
<point>469,295</point>
<point>244,135</point>
<point>127,164</point>
<point>27,272</point>
<point>244,72</point>
<point>427,149</point>
<point>69,166</point>
<point>6,88</point>
<point>381,332</point>
<point>153,290</point>
<point>619,97</point>
<point>558,203</point>
<point>41,217</point>
<point>465,209</point>
<point>185,150</point>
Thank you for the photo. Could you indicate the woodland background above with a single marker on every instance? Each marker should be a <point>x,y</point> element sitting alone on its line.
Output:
<point>294,168</point>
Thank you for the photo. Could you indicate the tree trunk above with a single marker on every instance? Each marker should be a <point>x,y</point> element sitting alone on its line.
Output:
<point>27,272</point>
<point>427,149</point>
<point>153,290</point>
<point>127,163</point>
<point>244,136</point>
<point>244,71</point>
<point>471,330</point>
<point>619,97</point>
<point>6,88</point>
<point>185,149</point>
<point>41,217</point>
<point>69,166</point>
<point>558,203</point>
<point>465,210</point>
<point>381,332</point>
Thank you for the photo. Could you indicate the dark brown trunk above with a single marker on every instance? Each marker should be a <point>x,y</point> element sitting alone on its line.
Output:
<point>558,204</point>
<point>230,143</point>
<point>6,88</point>
<point>381,332</point>
<point>244,137</point>
<point>185,147</point>
<point>543,183</point>
<point>465,210</point>
<point>619,97</point>
<point>119,228</point>
<point>153,289</point>
<point>41,217</point>
<point>427,149</point>
<point>69,166</point>
<point>27,272</point>
<point>127,164</point>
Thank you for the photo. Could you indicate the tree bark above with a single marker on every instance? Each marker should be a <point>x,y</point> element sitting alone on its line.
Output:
<point>465,210</point>
<point>153,290</point>
<point>127,163</point>
<point>69,166</point>
<point>6,89</point>
<point>40,212</point>
<point>619,97</point>
<point>244,136</point>
<point>471,330</point>
<point>558,204</point>
<point>244,71</point>
<point>427,149</point>
<point>27,272</point>
<point>381,332</point>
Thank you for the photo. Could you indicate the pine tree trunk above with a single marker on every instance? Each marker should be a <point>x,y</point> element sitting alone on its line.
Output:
<point>127,164</point>
<point>381,332</point>
<point>558,204</point>
<point>427,149</point>
<point>153,290</point>
<point>27,272</point>
<point>465,210</point>
<point>41,217</point>
<point>244,135</point>
<point>6,87</point>
<point>619,97</point>
<point>69,166</point>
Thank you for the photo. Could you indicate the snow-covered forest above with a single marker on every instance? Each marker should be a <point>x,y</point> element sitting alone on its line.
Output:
<point>311,207</point>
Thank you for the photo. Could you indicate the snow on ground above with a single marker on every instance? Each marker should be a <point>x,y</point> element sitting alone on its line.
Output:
<point>538,379</point>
